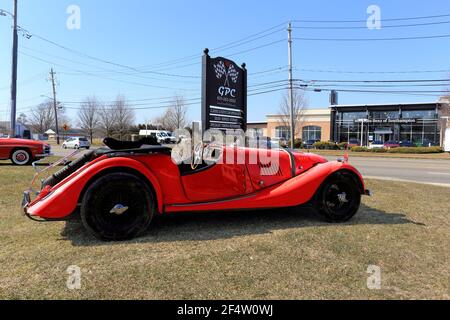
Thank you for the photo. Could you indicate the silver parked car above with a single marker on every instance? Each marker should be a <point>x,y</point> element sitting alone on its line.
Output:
<point>76,143</point>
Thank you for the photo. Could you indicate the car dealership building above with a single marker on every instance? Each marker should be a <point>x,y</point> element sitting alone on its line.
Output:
<point>418,123</point>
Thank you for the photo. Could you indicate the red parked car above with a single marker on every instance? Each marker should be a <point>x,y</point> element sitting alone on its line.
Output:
<point>391,144</point>
<point>119,190</point>
<point>22,151</point>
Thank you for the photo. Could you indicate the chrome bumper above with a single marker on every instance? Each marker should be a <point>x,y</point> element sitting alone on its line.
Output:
<point>44,155</point>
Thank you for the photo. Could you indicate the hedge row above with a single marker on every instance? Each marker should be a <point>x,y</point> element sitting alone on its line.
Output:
<point>411,150</point>
<point>322,145</point>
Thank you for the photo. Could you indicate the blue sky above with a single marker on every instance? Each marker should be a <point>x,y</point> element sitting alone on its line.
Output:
<point>146,34</point>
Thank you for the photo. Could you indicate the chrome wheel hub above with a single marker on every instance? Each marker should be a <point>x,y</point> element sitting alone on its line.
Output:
<point>119,209</point>
<point>342,197</point>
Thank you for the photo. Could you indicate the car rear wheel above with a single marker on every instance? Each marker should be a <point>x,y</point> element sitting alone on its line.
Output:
<point>21,157</point>
<point>117,206</point>
<point>76,147</point>
<point>339,198</point>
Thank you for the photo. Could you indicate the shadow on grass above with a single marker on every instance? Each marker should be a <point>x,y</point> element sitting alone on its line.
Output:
<point>10,164</point>
<point>213,226</point>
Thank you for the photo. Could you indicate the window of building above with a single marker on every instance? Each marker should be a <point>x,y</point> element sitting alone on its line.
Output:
<point>419,114</point>
<point>283,132</point>
<point>312,133</point>
<point>255,132</point>
<point>382,115</point>
<point>353,116</point>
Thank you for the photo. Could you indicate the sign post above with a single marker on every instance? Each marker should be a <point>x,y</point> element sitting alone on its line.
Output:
<point>224,94</point>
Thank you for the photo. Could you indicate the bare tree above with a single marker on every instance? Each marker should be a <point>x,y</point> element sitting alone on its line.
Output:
<point>124,117</point>
<point>88,117</point>
<point>107,120</point>
<point>42,117</point>
<point>22,118</point>
<point>175,116</point>
<point>300,105</point>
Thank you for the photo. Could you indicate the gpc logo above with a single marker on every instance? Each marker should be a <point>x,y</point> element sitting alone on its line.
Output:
<point>225,91</point>
<point>226,69</point>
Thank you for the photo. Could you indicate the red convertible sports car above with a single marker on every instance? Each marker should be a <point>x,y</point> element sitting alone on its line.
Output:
<point>22,151</point>
<point>119,190</point>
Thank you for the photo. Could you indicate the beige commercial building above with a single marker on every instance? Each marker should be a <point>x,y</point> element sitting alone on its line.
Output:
<point>314,124</point>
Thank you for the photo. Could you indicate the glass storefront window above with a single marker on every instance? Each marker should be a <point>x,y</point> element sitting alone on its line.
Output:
<point>419,114</point>
<point>283,132</point>
<point>418,126</point>
<point>352,116</point>
<point>311,133</point>
<point>380,115</point>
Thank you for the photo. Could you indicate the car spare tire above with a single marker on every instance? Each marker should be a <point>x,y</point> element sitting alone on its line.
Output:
<point>68,170</point>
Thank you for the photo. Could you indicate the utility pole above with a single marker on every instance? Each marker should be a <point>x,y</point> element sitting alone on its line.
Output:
<point>291,87</point>
<point>52,78</point>
<point>14,73</point>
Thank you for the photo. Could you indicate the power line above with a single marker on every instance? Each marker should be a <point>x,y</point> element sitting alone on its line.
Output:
<point>374,39</point>
<point>371,72</point>
<point>102,77</point>
<point>222,47</point>
<point>374,81</point>
<point>391,19</point>
<point>365,27</point>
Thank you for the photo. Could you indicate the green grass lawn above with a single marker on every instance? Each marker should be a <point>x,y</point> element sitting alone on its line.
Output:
<point>278,254</point>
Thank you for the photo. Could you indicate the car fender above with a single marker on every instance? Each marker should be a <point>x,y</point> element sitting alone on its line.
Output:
<point>64,197</point>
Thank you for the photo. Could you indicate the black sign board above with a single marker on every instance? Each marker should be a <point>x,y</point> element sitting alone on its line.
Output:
<point>224,94</point>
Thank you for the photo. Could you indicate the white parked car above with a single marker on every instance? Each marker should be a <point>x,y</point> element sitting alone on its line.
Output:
<point>159,135</point>
<point>171,136</point>
<point>376,145</point>
<point>76,143</point>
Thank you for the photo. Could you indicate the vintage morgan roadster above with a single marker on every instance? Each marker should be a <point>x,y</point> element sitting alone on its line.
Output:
<point>118,190</point>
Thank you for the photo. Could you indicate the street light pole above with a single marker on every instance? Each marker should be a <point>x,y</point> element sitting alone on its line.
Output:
<point>291,87</point>
<point>14,73</point>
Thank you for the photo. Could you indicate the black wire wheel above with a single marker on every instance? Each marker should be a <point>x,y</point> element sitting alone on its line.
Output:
<point>117,206</point>
<point>339,198</point>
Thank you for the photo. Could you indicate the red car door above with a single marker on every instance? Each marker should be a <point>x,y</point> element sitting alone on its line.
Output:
<point>223,180</point>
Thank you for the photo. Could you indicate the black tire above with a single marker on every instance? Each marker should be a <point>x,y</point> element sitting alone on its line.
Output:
<point>76,147</point>
<point>338,199</point>
<point>117,190</point>
<point>21,157</point>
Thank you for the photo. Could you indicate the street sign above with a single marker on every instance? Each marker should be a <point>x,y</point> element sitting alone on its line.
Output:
<point>224,94</point>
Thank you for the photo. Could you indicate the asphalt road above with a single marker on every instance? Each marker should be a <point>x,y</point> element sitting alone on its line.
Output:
<point>435,172</point>
<point>414,170</point>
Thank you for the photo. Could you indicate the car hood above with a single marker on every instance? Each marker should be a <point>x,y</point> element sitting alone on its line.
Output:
<point>22,142</point>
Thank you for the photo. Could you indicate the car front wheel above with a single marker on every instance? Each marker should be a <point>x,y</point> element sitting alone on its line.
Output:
<point>118,206</point>
<point>21,157</point>
<point>339,198</point>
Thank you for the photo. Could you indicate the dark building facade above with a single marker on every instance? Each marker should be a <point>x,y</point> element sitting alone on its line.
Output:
<point>414,122</point>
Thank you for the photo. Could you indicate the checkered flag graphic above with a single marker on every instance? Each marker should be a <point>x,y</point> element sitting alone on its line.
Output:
<point>233,73</point>
<point>220,70</point>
